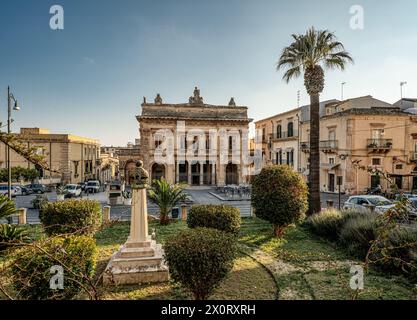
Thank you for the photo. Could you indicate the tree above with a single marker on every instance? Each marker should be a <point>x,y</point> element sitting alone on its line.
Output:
<point>310,53</point>
<point>166,197</point>
<point>279,195</point>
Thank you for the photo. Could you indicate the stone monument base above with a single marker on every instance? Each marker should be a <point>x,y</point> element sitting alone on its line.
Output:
<point>135,263</point>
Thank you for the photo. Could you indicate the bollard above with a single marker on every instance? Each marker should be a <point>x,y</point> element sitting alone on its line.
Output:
<point>106,214</point>
<point>183,212</point>
<point>22,215</point>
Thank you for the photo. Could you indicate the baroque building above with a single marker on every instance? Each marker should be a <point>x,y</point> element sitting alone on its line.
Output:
<point>195,143</point>
<point>76,159</point>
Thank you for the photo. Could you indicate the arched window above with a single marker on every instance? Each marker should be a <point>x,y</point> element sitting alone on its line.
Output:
<point>279,131</point>
<point>290,129</point>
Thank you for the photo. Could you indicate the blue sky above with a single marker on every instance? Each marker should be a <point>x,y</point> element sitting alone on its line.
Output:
<point>89,79</point>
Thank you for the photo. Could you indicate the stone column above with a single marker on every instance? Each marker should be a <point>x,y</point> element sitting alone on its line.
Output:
<point>201,173</point>
<point>139,217</point>
<point>106,213</point>
<point>22,215</point>
<point>189,172</point>
<point>177,172</point>
<point>213,174</point>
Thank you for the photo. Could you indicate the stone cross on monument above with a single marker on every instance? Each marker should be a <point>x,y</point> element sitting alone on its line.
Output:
<point>140,259</point>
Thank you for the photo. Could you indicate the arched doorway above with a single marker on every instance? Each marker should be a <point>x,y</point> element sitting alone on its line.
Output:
<point>158,171</point>
<point>231,174</point>
<point>183,172</point>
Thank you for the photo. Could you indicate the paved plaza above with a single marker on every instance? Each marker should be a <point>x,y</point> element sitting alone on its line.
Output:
<point>122,212</point>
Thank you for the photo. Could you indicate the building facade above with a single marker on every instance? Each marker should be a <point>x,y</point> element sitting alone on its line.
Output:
<point>76,159</point>
<point>202,143</point>
<point>361,132</point>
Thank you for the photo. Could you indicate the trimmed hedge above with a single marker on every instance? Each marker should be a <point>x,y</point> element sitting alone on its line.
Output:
<point>71,216</point>
<point>220,217</point>
<point>279,195</point>
<point>31,268</point>
<point>326,224</point>
<point>200,258</point>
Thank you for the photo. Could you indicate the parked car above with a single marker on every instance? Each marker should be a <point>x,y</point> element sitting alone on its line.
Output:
<point>364,202</point>
<point>406,195</point>
<point>93,186</point>
<point>4,190</point>
<point>72,190</point>
<point>82,185</point>
<point>36,188</point>
<point>26,191</point>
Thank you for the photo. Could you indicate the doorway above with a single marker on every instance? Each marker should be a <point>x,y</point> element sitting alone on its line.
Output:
<point>331,182</point>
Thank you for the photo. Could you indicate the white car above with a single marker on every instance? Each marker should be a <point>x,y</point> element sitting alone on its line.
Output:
<point>92,186</point>
<point>14,190</point>
<point>363,202</point>
<point>73,190</point>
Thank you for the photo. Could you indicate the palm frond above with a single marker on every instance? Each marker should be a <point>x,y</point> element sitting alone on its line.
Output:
<point>7,207</point>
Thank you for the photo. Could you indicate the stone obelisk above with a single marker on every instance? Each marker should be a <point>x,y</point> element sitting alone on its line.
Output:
<point>140,259</point>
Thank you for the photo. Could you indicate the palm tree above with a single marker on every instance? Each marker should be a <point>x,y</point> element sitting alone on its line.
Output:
<point>309,54</point>
<point>7,208</point>
<point>166,197</point>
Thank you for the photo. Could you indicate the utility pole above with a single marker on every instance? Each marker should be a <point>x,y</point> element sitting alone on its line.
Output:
<point>16,107</point>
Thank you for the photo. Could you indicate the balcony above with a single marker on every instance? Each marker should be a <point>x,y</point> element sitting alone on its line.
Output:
<point>284,135</point>
<point>379,145</point>
<point>329,146</point>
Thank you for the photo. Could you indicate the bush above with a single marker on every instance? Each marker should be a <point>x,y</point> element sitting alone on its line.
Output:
<point>279,195</point>
<point>358,232</point>
<point>11,235</point>
<point>400,250</point>
<point>31,268</point>
<point>200,258</point>
<point>71,216</point>
<point>220,217</point>
<point>327,224</point>
<point>39,201</point>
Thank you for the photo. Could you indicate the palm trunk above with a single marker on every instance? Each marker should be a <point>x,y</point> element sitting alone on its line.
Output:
<point>314,179</point>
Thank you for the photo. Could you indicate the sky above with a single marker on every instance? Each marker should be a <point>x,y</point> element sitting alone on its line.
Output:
<point>89,79</point>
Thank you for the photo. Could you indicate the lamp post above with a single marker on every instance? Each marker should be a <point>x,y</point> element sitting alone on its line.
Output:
<point>16,107</point>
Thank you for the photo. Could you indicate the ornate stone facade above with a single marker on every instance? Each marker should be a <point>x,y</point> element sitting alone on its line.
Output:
<point>182,120</point>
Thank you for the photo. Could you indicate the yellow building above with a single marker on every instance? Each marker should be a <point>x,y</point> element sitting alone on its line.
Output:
<point>362,131</point>
<point>76,158</point>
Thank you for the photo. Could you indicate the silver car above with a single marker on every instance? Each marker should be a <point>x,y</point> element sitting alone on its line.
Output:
<point>364,202</point>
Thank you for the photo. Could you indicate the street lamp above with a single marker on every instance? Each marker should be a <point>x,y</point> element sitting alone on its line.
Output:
<point>10,98</point>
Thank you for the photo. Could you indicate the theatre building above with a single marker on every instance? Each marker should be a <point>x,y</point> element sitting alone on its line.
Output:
<point>190,128</point>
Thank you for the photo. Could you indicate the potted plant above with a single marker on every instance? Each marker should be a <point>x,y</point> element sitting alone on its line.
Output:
<point>60,193</point>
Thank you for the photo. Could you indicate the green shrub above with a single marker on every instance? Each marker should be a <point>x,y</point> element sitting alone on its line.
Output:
<point>279,195</point>
<point>400,250</point>
<point>31,268</point>
<point>39,201</point>
<point>327,224</point>
<point>220,217</point>
<point>71,216</point>
<point>358,232</point>
<point>200,258</point>
<point>11,235</point>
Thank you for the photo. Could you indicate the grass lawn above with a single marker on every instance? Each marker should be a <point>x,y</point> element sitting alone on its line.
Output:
<point>303,266</point>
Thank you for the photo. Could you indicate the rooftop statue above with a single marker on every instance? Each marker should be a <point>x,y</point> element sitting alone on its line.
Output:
<point>158,99</point>
<point>196,98</point>
<point>232,102</point>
